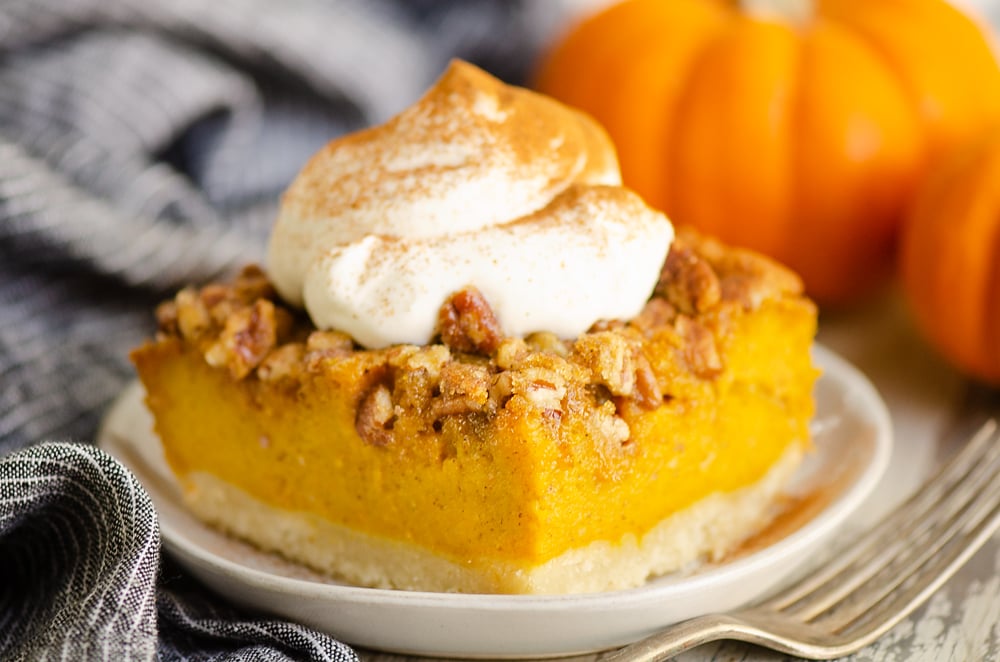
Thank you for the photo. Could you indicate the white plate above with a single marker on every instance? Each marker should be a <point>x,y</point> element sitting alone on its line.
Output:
<point>852,435</point>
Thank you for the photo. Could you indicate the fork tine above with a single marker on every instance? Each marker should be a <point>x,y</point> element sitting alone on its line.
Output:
<point>952,522</point>
<point>905,546</point>
<point>838,576</point>
<point>926,581</point>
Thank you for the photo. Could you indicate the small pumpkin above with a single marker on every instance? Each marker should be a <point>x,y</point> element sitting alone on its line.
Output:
<point>950,257</point>
<point>795,127</point>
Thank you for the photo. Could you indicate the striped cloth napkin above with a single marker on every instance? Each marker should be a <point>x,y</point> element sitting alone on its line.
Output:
<point>143,145</point>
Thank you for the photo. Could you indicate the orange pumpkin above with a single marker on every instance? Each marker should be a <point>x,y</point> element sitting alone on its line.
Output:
<point>796,127</point>
<point>950,257</point>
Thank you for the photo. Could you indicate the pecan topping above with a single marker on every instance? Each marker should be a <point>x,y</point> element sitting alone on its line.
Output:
<point>510,352</point>
<point>467,323</point>
<point>610,434</point>
<point>747,277</point>
<point>750,289</point>
<point>544,392</point>
<point>687,281</point>
<point>321,345</point>
<point>647,390</point>
<point>604,424</point>
<point>699,350</point>
<point>166,318</point>
<point>414,389</point>
<point>609,356</point>
<point>618,364</point>
<point>606,325</point>
<point>542,385</point>
<point>285,362</point>
<point>193,318</point>
<point>376,416</point>
<point>417,375</point>
<point>431,359</point>
<point>464,389</point>
<point>546,341</point>
<point>252,284</point>
<point>213,294</point>
<point>248,336</point>
<point>601,380</point>
<point>656,314</point>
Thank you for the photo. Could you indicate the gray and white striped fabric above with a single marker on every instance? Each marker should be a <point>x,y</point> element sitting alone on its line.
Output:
<point>143,145</point>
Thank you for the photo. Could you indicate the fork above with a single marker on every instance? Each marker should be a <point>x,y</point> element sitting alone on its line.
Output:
<point>874,584</point>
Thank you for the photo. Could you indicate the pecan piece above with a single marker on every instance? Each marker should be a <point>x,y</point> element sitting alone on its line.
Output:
<point>430,358</point>
<point>247,338</point>
<point>699,350</point>
<point>166,318</point>
<point>751,290</point>
<point>193,318</point>
<point>656,314</point>
<point>414,390</point>
<point>467,323</point>
<point>220,303</point>
<point>748,278</point>
<point>213,294</point>
<point>283,363</point>
<point>647,390</point>
<point>605,425</point>
<point>543,387</point>
<point>376,416</point>
<point>252,284</point>
<point>546,341</point>
<point>610,436</point>
<point>464,389</point>
<point>511,352</point>
<point>321,345</point>
<point>619,365</point>
<point>609,357</point>
<point>606,325</point>
<point>687,281</point>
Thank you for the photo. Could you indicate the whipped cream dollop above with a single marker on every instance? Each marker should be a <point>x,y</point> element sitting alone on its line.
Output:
<point>480,184</point>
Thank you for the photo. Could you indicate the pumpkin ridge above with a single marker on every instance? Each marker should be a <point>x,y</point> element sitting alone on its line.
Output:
<point>991,296</point>
<point>991,304</point>
<point>980,210</point>
<point>798,148</point>
<point>791,251</point>
<point>948,112</point>
<point>873,45</point>
<point>678,119</point>
<point>951,326</point>
<point>947,267</point>
<point>843,141</point>
<point>726,122</point>
<point>643,138</point>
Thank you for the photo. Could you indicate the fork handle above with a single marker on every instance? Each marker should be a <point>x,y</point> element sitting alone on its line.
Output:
<point>681,637</point>
<point>752,628</point>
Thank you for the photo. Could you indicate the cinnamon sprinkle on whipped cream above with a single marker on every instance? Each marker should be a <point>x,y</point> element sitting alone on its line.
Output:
<point>477,184</point>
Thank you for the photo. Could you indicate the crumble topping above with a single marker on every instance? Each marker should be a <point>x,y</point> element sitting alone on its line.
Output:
<point>466,323</point>
<point>687,282</point>
<point>375,416</point>
<point>473,370</point>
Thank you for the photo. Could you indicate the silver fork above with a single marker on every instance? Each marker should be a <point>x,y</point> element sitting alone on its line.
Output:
<point>870,587</point>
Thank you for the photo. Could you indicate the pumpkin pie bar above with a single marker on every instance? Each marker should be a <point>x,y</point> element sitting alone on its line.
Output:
<point>462,448</point>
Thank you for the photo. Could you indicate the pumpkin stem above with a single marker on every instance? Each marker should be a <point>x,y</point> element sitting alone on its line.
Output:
<point>797,12</point>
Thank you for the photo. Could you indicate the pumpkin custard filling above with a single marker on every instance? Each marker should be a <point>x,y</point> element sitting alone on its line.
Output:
<point>528,382</point>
